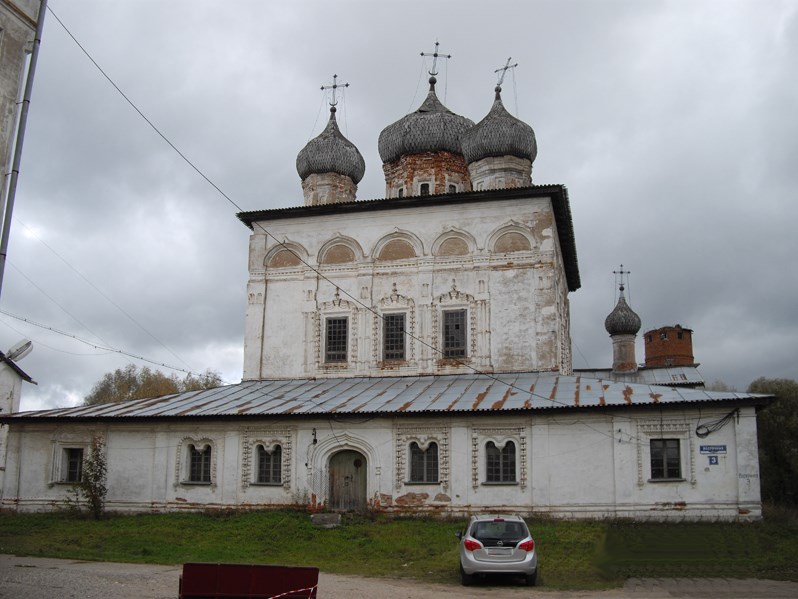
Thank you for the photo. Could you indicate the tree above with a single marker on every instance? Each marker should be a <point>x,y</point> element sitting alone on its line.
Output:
<point>129,382</point>
<point>92,487</point>
<point>778,440</point>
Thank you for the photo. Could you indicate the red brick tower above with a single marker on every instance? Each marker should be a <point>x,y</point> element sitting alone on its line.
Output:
<point>669,346</point>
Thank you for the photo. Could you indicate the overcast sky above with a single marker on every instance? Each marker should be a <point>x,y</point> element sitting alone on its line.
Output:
<point>674,126</point>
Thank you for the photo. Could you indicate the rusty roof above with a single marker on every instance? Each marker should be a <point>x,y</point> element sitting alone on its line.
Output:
<point>444,394</point>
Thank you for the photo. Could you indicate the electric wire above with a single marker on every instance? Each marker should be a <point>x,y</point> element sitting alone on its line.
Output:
<point>321,275</point>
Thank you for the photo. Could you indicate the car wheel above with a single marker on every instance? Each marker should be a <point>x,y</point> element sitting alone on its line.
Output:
<point>531,579</point>
<point>466,579</point>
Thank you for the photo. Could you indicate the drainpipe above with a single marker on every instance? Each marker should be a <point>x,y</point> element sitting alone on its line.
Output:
<point>23,118</point>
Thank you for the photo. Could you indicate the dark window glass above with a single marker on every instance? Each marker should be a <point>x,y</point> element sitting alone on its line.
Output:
<point>74,464</point>
<point>335,348</point>
<point>425,189</point>
<point>454,334</point>
<point>424,464</point>
<point>401,192</point>
<point>269,465</point>
<point>200,464</point>
<point>393,336</point>
<point>452,188</point>
<point>500,463</point>
<point>665,459</point>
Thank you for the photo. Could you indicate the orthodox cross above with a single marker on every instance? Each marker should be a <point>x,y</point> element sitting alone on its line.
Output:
<point>504,70</point>
<point>622,272</point>
<point>335,85</point>
<point>435,56</point>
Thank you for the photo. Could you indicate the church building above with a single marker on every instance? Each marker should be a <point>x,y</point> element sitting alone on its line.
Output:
<point>413,354</point>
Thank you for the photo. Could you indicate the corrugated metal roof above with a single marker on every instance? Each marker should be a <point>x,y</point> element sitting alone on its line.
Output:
<point>474,393</point>
<point>667,375</point>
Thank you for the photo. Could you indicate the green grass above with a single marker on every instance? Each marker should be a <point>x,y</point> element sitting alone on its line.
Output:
<point>572,554</point>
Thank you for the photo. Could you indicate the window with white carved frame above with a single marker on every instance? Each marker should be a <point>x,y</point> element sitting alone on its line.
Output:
<point>336,330</point>
<point>393,336</point>
<point>269,465</point>
<point>199,463</point>
<point>666,459</point>
<point>454,334</point>
<point>423,463</point>
<point>500,463</point>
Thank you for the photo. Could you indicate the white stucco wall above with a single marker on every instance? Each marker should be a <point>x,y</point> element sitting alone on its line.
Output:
<point>568,464</point>
<point>516,301</point>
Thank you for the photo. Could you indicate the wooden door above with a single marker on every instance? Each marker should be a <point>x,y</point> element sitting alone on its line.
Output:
<point>348,481</point>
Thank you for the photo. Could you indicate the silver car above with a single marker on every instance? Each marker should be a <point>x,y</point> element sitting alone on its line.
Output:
<point>497,545</point>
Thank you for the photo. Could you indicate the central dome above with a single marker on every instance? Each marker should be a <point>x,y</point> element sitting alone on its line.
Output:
<point>431,128</point>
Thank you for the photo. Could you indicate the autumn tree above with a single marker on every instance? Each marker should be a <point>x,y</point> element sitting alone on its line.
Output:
<point>130,382</point>
<point>92,486</point>
<point>778,440</point>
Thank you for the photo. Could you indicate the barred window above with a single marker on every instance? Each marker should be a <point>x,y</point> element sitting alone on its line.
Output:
<point>665,459</point>
<point>73,464</point>
<point>424,463</point>
<point>500,463</point>
<point>454,334</point>
<point>424,189</point>
<point>199,470</point>
<point>393,336</point>
<point>335,340</point>
<point>269,465</point>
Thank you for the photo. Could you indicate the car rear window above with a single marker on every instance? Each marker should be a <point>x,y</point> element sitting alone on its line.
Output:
<point>501,530</point>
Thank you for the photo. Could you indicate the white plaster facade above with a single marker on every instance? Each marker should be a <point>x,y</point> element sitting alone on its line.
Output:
<point>571,464</point>
<point>498,259</point>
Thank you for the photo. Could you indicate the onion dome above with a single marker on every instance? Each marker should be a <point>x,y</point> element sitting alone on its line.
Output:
<point>331,152</point>
<point>499,134</point>
<point>431,128</point>
<point>622,320</point>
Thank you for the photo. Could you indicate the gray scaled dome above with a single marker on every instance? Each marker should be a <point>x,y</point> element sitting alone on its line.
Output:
<point>431,128</point>
<point>331,152</point>
<point>499,134</point>
<point>622,320</point>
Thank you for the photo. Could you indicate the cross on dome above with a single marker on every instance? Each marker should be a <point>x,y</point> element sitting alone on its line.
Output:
<point>335,85</point>
<point>503,71</point>
<point>435,56</point>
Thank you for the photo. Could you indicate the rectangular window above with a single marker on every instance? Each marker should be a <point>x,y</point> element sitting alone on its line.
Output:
<point>269,465</point>
<point>73,465</point>
<point>423,464</point>
<point>425,189</point>
<point>500,463</point>
<point>335,340</point>
<point>199,464</point>
<point>665,459</point>
<point>454,334</point>
<point>393,336</point>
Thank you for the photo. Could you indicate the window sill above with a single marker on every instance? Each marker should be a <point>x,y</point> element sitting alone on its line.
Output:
<point>195,483</point>
<point>497,483</point>
<point>266,484</point>
<point>667,480</point>
<point>416,483</point>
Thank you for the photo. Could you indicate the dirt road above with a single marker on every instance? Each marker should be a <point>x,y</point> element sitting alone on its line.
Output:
<point>44,578</point>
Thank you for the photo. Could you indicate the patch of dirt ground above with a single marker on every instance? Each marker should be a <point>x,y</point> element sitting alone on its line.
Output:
<point>46,578</point>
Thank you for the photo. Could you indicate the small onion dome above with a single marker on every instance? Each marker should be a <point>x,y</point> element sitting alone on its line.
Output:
<point>622,320</point>
<point>499,134</point>
<point>331,152</point>
<point>431,128</point>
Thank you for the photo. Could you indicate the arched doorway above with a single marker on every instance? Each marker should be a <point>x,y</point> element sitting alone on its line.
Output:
<point>348,480</point>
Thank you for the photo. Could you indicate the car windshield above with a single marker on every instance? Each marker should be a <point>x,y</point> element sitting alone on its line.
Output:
<point>498,530</point>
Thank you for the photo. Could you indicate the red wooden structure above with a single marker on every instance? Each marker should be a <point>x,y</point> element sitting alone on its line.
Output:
<point>247,581</point>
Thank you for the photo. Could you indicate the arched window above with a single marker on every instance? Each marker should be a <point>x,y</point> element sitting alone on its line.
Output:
<point>423,463</point>
<point>199,467</point>
<point>500,463</point>
<point>270,465</point>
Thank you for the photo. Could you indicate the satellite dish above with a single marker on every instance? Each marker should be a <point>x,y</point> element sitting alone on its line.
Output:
<point>20,350</point>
